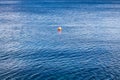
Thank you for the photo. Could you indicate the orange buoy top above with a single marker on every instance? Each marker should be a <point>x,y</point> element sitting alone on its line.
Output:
<point>59,28</point>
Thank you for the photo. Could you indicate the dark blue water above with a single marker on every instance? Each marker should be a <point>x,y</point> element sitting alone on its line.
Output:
<point>31,48</point>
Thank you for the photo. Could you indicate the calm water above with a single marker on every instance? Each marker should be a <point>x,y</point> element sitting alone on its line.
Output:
<point>88,48</point>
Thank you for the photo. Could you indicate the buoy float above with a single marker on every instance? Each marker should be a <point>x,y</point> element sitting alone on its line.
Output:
<point>59,28</point>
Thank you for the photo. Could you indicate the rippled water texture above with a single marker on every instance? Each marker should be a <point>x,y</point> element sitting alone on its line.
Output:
<point>31,48</point>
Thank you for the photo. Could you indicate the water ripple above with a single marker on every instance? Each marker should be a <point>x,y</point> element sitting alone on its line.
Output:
<point>32,49</point>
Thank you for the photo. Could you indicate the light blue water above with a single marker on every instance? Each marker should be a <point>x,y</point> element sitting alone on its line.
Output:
<point>88,48</point>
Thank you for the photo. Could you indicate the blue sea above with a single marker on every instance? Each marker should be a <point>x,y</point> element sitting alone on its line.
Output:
<point>87,48</point>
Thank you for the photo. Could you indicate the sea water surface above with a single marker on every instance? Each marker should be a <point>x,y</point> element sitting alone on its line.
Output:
<point>31,48</point>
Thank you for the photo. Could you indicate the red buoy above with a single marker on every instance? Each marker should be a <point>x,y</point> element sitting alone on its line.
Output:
<point>59,28</point>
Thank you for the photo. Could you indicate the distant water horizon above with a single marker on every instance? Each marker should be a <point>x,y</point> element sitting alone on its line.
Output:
<point>87,48</point>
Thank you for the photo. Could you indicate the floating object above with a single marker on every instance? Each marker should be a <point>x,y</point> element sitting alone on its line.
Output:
<point>59,28</point>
